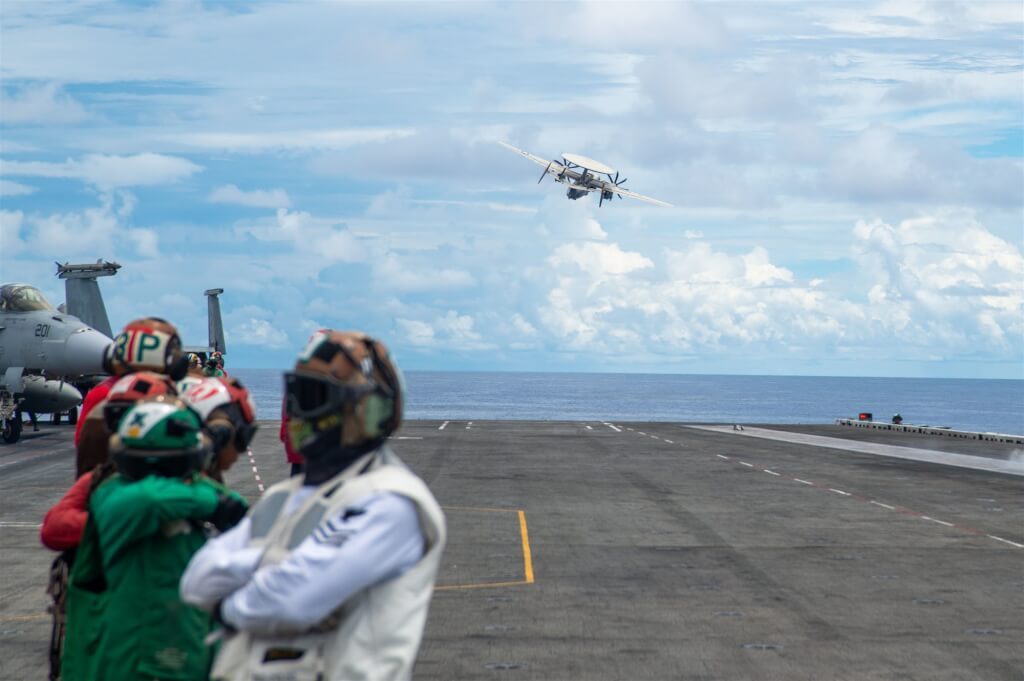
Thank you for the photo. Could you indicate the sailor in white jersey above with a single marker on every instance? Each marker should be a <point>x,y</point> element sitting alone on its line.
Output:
<point>331,573</point>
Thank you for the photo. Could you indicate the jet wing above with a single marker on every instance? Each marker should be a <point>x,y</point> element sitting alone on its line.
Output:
<point>555,167</point>
<point>633,195</point>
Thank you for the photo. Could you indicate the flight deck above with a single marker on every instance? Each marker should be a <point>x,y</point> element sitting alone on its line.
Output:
<point>615,550</point>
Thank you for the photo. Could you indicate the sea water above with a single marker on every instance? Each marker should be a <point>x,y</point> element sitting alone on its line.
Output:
<point>964,404</point>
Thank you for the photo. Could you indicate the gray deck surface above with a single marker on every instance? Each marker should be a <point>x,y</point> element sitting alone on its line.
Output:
<point>658,551</point>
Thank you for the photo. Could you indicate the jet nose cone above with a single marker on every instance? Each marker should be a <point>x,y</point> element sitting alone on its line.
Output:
<point>84,351</point>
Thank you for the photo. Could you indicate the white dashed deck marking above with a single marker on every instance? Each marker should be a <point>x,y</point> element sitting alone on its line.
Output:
<point>977,463</point>
<point>443,425</point>
<point>615,428</point>
<point>255,472</point>
<point>904,511</point>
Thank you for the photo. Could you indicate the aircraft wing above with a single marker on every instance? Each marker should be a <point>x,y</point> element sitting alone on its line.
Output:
<point>555,166</point>
<point>633,195</point>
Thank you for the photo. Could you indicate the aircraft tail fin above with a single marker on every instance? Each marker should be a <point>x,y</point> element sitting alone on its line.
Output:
<point>82,292</point>
<point>215,327</point>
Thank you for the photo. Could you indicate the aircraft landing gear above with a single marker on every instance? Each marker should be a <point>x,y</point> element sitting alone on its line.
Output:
<point>11,430</point>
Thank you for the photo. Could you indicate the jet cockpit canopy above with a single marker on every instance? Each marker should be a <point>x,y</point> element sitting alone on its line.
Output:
<point>23,298</point>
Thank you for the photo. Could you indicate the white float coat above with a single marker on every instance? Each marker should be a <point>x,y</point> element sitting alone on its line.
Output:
<point>343,555</point>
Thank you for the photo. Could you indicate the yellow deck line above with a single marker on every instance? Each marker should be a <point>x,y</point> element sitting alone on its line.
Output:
<point>24,618</point>
<point>527,556</point>
<point>484,585</point>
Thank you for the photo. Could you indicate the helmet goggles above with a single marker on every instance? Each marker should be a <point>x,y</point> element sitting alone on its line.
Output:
<point>311,396</point>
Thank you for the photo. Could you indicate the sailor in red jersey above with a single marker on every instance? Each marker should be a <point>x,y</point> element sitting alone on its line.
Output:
<point>92,398</point>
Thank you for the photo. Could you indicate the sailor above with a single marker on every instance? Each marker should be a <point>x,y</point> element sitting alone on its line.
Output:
<point>125,620</point>
<point>219,357</point>
<point>229,418</point>
<point>62,527</point>
<point>147,344</point>
<point>897,419</point>
<point>212,368</point>
<point>330,575</point>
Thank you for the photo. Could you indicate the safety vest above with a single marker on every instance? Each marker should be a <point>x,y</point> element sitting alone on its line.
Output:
<point>373,635</point>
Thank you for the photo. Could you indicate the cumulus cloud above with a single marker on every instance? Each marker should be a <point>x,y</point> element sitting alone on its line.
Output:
<point>100,230</point>
<point>325,240</point>
<point>393,273</point>
<point>451,330</point>
<point>109,172</point>
<point>944,276</point>
<point>37,105</point>
<point>939,285</point>
<point>599,260</point>
<point>257,198</point>
<point>259,332</point>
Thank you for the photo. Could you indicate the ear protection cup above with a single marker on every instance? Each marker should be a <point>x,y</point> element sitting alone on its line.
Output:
<point>221,433</point>
<point>178,368</point>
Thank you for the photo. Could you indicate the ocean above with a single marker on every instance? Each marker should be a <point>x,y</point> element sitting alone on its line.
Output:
<point>965,404</point>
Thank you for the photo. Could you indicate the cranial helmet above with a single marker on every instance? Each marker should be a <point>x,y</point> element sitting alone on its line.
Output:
<point>226,408</point>
<point>130,389</point>
<point>147,344</point>
<point>159,436</point>
<point>344,396</point>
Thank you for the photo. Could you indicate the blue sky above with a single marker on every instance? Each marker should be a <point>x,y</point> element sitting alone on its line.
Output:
<point>848,178</point>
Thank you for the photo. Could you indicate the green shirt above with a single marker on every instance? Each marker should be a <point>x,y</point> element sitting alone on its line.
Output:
<point>145,532</point>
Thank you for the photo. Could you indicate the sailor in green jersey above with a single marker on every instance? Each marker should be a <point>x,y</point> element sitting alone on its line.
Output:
<point>144,525</point>
<point>212,368</point>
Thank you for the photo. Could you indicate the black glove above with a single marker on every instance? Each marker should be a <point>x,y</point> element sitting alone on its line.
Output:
<point>218,617</point>
<point>229,511</point>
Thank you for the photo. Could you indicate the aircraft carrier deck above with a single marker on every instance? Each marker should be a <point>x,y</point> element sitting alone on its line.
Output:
<point>591,550</point>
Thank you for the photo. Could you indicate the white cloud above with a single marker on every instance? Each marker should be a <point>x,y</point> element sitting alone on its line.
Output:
<point>325,240</point>
<point>599,260</point>
<point>109,172</point>
<point>8,188</point>
<point>259,332</point>
<point>10,233</point>
<point>38,105</point>
<point>258,198</point>
<point>944,277</point>
<point>451,330</point>
<point>94,232</point>
<point>309,140</point>
<point>392,273</point>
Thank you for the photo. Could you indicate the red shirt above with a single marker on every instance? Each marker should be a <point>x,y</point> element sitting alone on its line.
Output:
<point>92,398</point>
<point>64,523</point>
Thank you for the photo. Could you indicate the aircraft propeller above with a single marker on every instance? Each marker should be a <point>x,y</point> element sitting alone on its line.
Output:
<point>545,171</point>
<point>617,182</point>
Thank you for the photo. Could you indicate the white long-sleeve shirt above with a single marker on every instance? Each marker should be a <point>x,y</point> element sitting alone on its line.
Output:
<point>372,540</point>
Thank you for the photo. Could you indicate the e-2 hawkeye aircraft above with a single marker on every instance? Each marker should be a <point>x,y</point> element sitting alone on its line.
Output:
<point>583,175</point>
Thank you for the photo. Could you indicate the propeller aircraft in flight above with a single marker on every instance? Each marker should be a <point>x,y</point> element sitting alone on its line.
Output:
<point>583,175</point>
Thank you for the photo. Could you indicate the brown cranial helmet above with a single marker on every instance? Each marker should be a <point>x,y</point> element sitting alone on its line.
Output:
<point>147,344</point>
<point>344,379</point>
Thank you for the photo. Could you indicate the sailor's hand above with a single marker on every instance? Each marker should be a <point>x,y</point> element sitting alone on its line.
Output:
<point>229,511</point>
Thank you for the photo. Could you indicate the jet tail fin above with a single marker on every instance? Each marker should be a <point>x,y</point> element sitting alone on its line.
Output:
<point>215,327</point>
<point>82,292</point>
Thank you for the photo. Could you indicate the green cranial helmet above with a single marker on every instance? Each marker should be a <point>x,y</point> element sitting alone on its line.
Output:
<point>161,436</point>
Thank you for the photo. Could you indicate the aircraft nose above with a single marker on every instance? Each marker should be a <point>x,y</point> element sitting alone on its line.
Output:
<point>84,351</point>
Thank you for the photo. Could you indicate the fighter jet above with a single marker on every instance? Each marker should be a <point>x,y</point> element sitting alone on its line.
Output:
<point>41,351</point>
